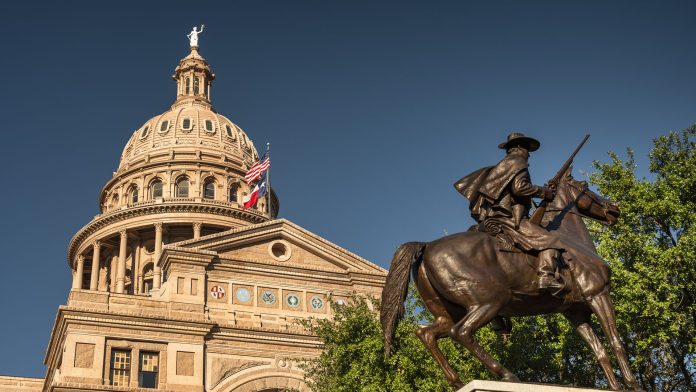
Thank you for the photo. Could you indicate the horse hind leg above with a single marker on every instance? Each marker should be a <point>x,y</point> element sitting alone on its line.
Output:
<point>439,328</point>
<point>604,310</point>
<point>477,316</point>
<point>581,320</point>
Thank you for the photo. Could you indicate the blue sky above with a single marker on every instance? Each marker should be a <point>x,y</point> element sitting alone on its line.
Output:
<point>373,110</point>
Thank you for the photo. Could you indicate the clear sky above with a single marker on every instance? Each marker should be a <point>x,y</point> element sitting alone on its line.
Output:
<point>373,110</point>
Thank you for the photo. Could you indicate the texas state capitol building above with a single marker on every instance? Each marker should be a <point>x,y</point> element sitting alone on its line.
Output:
<point>175,285</point>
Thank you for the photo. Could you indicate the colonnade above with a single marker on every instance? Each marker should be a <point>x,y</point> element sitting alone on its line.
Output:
<point>120,273</point>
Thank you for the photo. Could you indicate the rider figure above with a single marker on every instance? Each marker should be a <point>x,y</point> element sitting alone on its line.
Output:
<point>502,195</point>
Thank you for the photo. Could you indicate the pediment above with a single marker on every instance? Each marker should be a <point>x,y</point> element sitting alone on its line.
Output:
<point>281,241</point>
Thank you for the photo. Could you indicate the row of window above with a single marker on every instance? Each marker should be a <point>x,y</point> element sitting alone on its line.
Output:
<point>187,125</point>
<point>181,189</point>
<point>148,371</point>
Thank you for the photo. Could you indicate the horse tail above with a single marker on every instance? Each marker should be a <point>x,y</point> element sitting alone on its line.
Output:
<point>396,289</point>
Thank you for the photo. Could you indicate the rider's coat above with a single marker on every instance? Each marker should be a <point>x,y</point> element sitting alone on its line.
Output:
<point>502,194</point>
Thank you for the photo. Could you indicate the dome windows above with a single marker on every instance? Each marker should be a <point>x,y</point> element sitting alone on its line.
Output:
<point>145,132</point>
<point>196,85</point>
<point>133,194</point>
<point>229,131</point>
<point>188,86</point>
<point>186,124</point>
<point>181,189</point>
<point>156,189</point>
<point>209,126</point>
<point>233,198</point>
<point>164,128</point>
<point>209,189</point>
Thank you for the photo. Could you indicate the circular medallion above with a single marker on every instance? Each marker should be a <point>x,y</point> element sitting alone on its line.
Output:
<point>292,300</point>
<point>243,295</point>
<point>317,303</point>
<point>217,292</point>
<point>268,298</point>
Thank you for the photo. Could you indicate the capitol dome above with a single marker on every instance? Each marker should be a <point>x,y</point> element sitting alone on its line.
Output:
<point>190,126</point>
<point>180,176</point>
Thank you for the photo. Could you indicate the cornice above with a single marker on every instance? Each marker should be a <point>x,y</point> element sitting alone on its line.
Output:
<point>165,206</point>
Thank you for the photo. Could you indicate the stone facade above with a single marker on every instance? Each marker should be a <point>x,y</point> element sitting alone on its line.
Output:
<point>176,286</point>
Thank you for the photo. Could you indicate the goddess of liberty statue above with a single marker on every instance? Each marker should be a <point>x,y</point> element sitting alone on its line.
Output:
<point>193,35</point>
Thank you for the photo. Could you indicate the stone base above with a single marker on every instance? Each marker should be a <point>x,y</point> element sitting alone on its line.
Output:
<point>499,386</point>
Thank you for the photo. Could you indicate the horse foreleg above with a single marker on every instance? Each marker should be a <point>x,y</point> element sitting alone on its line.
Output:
<point>582,323</point>
<point>604,310</point>
<point>477,316</point>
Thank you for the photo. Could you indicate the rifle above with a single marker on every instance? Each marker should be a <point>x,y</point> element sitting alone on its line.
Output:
<point>553,183</point>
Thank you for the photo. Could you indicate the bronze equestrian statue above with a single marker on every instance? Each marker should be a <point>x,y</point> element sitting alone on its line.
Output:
<point>510,265</point>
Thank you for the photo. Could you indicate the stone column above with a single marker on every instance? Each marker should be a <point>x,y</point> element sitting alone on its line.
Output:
<point>121,273</point>
<point>94,277</point>
<point>135,269</point>
<point>77,280</point>
<point>157,273</point>
<point>197,230</point>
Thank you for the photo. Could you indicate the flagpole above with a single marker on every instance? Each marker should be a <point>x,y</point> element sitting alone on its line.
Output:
<point>268,180</point>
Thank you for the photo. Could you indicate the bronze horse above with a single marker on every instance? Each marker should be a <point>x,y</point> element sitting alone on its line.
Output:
<point>466,283</point>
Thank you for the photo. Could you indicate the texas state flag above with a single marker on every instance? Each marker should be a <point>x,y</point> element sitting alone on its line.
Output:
<point>258,191</point>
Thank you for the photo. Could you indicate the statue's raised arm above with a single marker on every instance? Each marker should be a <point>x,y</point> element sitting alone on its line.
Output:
<point>193,35</point>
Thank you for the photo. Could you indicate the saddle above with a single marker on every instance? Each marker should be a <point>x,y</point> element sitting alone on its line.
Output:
<point>505,243</point>
<point>495,229</point>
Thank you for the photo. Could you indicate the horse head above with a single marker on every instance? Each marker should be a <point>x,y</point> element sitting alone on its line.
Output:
<point>576,196</point>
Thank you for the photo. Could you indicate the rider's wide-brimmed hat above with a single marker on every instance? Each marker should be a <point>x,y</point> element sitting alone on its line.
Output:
<point>517,138</point>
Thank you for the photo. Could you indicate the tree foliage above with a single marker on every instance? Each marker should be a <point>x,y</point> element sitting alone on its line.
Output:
<point>652,253</point>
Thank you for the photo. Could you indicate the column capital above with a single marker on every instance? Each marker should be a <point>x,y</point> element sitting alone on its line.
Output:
<point>80,258</point>
<point>158,226</point>
<point>123,233</point>
<point>96,243</point>
<point>197,225</point>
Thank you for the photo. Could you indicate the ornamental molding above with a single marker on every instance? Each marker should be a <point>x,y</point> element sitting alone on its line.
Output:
<point>153,209</point>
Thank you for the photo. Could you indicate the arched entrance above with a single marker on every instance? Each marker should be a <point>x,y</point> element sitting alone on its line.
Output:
<point>265,383</point>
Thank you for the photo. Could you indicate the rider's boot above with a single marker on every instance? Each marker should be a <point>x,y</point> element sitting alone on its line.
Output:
<point>547,267</point>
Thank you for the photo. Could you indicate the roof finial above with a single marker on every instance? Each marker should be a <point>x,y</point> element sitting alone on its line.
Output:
<point>193,36</point>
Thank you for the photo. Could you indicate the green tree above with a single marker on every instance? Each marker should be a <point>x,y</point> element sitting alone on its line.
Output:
<point>652,253</point>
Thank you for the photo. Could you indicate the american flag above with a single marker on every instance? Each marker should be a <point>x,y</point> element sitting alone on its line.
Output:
<point>258,168</point>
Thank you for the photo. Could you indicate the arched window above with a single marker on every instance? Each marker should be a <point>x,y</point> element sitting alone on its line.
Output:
<point>156,189</point>
<point>209,189</point>
<point>182,187</point>
<point>134,194</point>
<point>186,124</point>
<point>196,85</point>
<point>147,277</point>
<point>209,126</point>
<point>233,193</point>
<point>188,85</point>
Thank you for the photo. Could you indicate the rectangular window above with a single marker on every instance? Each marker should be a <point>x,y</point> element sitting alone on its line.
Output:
<point>149,368</point>
<point>120,367</point>
<point>194,286</point>
<point>180,285</point>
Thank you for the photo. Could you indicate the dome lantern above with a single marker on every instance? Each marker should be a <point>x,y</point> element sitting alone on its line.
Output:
<point>193,79</point>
